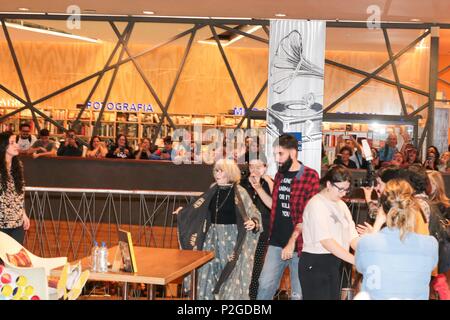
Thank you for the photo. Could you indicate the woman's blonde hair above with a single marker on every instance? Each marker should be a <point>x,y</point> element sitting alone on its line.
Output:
<point>438,195</point>
<point>230,168</point>
<point>401,207</point>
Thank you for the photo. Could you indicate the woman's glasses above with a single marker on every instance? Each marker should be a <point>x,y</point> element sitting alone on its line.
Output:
<point>346,190</point>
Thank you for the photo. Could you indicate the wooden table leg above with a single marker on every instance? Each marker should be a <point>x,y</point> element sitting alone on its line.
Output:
<point>125,291</point>
<point>193,294</point>
<point>150,292</point>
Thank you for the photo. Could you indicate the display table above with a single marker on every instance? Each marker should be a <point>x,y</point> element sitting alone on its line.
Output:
<point>155,266</point>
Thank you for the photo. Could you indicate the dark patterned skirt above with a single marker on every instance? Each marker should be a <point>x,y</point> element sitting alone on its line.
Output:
<point>260,254</point>
<point>221,239</point>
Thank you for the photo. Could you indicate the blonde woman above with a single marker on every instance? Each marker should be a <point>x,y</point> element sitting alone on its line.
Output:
<point>224,220</point>
<point>440,229</point>
<point>438,194</point>
<point>396,262</point>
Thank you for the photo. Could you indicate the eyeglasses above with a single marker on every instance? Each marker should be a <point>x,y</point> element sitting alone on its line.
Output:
<point>346,190</point>
<point>256,167</point>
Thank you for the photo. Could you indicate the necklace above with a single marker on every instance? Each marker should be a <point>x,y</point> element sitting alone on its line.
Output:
<point>223,203</point>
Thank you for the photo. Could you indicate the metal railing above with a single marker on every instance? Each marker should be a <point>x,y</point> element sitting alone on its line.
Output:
<point>66,221</point>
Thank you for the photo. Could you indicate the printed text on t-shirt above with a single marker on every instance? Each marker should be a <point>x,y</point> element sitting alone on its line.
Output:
<point>284,194</point>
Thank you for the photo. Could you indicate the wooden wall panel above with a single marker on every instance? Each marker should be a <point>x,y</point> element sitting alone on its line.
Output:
<point>205,86</point>
<point>444,61</point>
<point>375,97</point>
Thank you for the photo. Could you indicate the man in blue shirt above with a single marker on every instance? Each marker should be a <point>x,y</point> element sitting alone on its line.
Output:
<point>387,152</point>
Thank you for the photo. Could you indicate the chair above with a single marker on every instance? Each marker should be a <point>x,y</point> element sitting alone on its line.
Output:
<point>23,283</point>
<point>11,246</point>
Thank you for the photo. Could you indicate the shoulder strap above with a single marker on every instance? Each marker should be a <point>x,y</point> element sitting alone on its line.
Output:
<point>240,203</point>
<point>358,158</point>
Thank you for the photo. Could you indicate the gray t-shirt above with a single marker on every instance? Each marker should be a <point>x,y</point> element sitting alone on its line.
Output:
<point>39,143</point>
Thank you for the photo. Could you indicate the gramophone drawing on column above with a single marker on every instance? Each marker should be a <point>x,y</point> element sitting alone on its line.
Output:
<point>304,112</point>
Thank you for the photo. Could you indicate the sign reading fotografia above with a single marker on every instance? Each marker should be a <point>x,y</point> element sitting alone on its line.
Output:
<point>296,85</point>
<point>121,106</point>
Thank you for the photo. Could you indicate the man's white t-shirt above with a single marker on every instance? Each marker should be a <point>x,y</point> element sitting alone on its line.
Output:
<point>25,144</point>
<point>324,219</point>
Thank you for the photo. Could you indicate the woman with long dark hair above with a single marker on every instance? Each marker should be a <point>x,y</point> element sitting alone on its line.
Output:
<point>432,158</point>
<point>440,229</point>
<point>328,233</point>
<point>259,187</point>
<point>97,148</point>
<point>13,219</point>
<point>412,156</point>
<point>121,150</point>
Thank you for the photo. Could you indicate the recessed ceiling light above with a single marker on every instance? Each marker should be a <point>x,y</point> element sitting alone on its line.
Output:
<point>21,25</point>
<point>147,12</point>
<point>280,15</point>
<point>228,42</point>
<point>24,9</point>
<point>414,20</point>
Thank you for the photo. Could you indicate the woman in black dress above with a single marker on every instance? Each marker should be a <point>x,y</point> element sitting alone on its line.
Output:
<point>259,186</point>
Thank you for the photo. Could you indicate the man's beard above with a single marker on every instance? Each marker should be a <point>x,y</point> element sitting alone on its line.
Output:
<point>283,168</point>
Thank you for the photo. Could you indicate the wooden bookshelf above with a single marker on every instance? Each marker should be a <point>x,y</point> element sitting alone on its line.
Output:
<point>135,126</point>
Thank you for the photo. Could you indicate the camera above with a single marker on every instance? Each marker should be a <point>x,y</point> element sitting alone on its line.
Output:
<point>245,172</point>
<point>369,180</point>
<point>365,182</point>
<point>71,135</point>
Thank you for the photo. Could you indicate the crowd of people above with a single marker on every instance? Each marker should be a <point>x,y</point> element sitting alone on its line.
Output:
<point>170,150</point>
<point>349,154</point>
<point>258,226</point>
<point>304,224</point>
<point>70,146</point>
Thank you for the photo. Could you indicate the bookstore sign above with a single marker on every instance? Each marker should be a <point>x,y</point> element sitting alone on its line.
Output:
<point>121,106</point>
<point>9,102</point>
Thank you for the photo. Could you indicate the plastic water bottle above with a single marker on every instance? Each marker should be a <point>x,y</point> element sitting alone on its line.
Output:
<point>103,258</point>
<point>94,257</point>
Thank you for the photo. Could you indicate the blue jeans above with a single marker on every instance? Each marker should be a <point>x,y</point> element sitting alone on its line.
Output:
<point>273,270</point>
